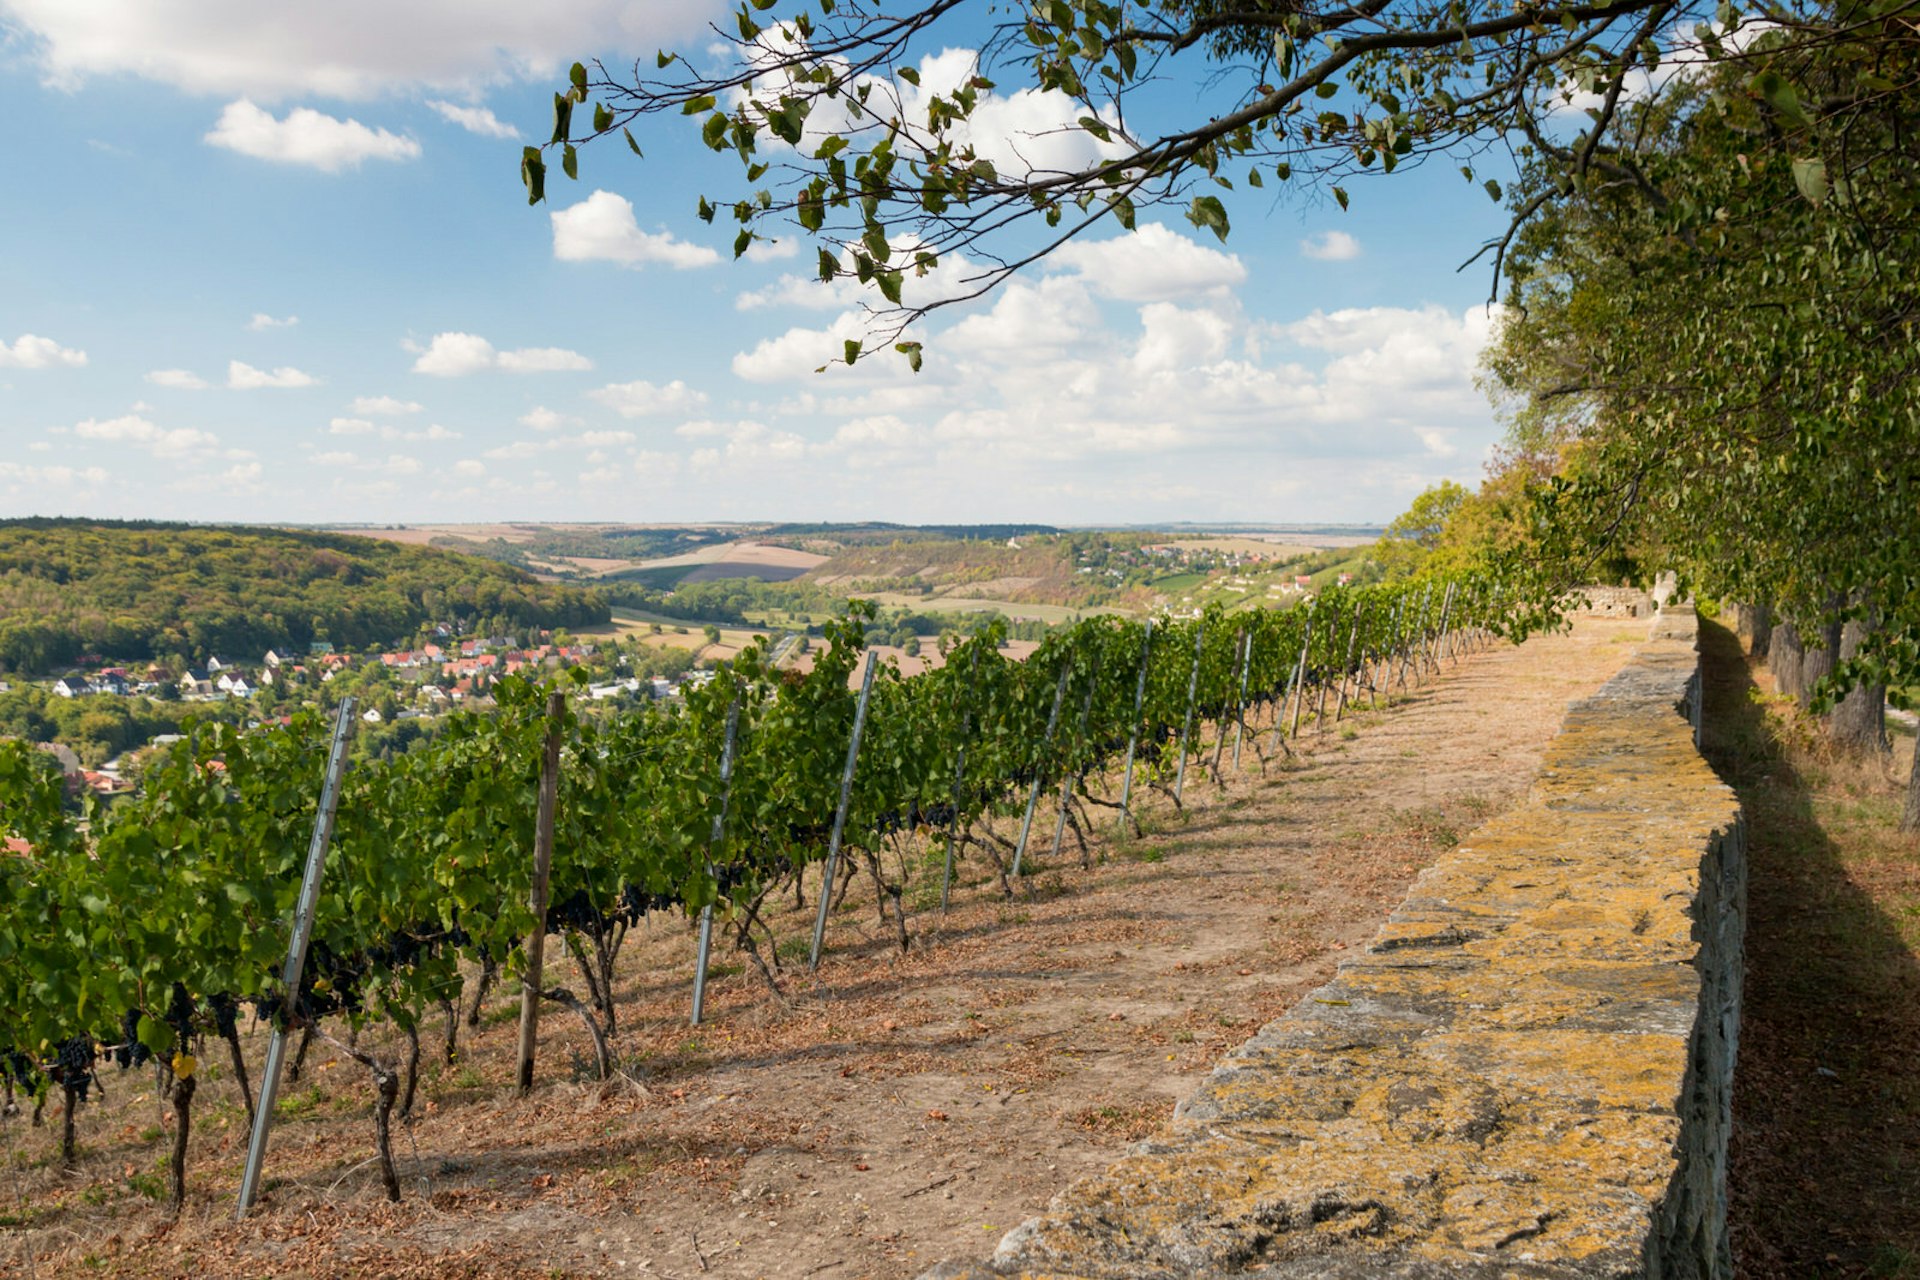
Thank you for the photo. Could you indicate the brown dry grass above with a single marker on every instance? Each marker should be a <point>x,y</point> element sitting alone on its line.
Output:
<point>906,1107</point>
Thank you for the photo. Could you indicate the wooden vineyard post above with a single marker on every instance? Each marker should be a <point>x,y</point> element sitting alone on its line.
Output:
<point>1073,773</point>
<point>1294,672</point>
<point>1300,681</point>
<point>1186,730</point>
<point>1347,670</point>
<point>1133,733</point>
<point>713,844</point>
<point>290,973</point>
<point>1320,707</point>
<point>1240,702</point>
<point>1438,640</point>
<point>840,814</point>
<point>1220,742</point>
<point>536,944</point>
<point>1033,796</point>
<point>1380,671</point>
<point>960,773</point>
<point>1414,631</point>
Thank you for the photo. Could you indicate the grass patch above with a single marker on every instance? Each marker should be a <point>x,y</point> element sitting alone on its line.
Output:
<point>1132,1121</point>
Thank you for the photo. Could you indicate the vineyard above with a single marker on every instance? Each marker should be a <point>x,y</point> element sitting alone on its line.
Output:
<point>150,931</point>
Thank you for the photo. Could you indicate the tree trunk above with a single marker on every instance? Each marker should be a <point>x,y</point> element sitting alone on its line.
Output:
<point>452,1012</point>
<point>1858,723</point>
<point>1818,663</point>
<point>487,970</point>
<point>1762,617</point>
<point>183,1089</point>
<point>232,1038</point>
<point>300,1054</point>
<point>1786,658</point>
<point>386,1087</point>
<point>387,1082</point>
<point>72,1090</point>
<point>412,1031</point>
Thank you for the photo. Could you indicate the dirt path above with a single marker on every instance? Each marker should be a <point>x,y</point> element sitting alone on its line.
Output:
<point>908,1107</point>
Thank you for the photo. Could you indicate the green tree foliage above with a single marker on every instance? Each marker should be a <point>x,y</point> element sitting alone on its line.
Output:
<point>139,591</point>
<point>1722,350</point>
<point>822,105</point>
<point>97,728</point>
<point>1423,522</point>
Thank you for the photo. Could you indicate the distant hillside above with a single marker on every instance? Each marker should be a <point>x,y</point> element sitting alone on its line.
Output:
<point>880,533</point>
<point>142,590</point>
<point>1039,568</point>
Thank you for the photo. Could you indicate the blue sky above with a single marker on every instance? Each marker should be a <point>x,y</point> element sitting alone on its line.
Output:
<point>272,262</point>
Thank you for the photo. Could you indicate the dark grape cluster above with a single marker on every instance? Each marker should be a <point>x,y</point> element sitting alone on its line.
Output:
<point>19,1068</point>
<point>225,1011</point>
<point>73,1068</point>
<point>635,902</point>
<point>180,1015</point>
<point>914,817</point>
<point>130,1052</point>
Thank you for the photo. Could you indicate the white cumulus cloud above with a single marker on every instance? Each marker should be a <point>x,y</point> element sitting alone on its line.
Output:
<point>384,406</point>
<point>1330,246</point>
<point>455,355</point>
<point>178,379</point>
<point>20,478</point>
<point>138,432</point>
<point>602,228</point>
<point>261,322</point>
<point>474,120</point>
<point>31,351</point>
<point>306,137</point>
<point>642,398</point>
<point>1151,264</point>
<point>541,418</point>
<point>356,49</point>
<point>543,360</point>
<point>244,377</point>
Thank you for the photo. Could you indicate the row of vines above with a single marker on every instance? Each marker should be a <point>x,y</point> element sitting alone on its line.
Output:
<point>146,931</point>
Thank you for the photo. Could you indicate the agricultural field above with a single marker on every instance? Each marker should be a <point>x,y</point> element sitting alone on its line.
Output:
<point>678,633</point>
<point>959,606</point>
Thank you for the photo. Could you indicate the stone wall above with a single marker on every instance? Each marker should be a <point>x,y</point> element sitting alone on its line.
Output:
<point>1612,602</point>
<point>1527,1074</point>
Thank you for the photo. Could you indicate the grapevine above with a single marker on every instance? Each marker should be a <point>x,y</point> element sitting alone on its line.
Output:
<point>148,927</point>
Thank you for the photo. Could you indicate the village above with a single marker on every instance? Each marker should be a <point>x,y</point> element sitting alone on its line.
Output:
<point>401,691</point>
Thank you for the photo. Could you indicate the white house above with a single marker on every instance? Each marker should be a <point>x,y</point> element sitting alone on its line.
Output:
<point>601,692</point>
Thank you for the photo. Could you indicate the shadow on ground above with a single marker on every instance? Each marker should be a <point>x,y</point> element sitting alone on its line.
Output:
<point>1826,1148</point>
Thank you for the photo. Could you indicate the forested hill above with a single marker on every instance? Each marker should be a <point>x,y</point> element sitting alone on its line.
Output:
<point>130,591</point>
